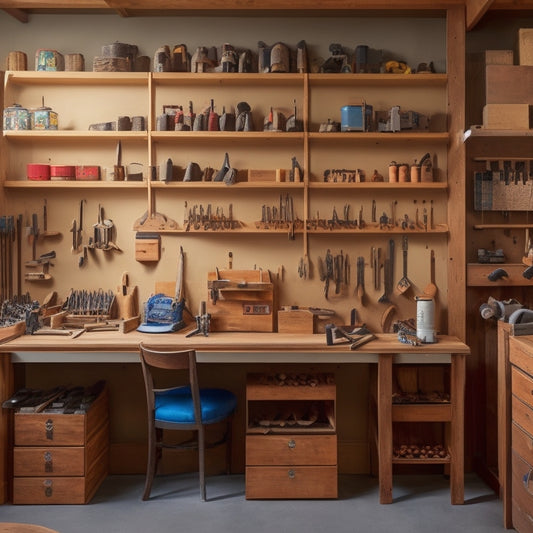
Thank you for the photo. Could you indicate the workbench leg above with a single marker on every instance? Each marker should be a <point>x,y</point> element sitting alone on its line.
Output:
<point>385,427</point>
<point>457,443</point>
<point>6,391</point>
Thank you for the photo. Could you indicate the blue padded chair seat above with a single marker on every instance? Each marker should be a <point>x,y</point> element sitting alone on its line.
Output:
<point>175,405</point>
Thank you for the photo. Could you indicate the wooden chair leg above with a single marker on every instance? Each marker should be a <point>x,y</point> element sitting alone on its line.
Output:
<point>201,461</point>
<point>152,463</point>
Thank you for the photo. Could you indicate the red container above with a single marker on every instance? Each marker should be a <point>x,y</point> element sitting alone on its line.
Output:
<point>88,172</point>
<point>62,172</point>
<point>38,172</point>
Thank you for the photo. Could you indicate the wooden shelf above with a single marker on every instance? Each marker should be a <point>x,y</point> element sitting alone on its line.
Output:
<point>429,412</point>
<point>224,136</point>
<point>387,80</point>
<point>73,184</point>
<point>212,79</point>
<point>438,229</point>
<point>477,275</point>
<point>480,132</point>
<point>221,186</point>
<point>83,79</point>
<point>378,185</point>
<point>381,137</point>
<point>73,135</point>
<point>503,226</point>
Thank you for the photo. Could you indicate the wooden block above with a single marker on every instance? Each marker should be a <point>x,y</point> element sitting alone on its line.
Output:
<point>296,321</point>
<point>506,116</point>
<point>148,249</point>
<point>277,174</point>
<point>509,84</point>
<point>498,57</point>
<point>525,46</point>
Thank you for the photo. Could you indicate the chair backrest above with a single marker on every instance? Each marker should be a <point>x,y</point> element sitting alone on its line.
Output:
<point>152,357</point>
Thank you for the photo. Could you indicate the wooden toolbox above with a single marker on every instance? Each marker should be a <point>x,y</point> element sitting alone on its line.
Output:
<point>241,300</point>
<point>288,455</point>
<point>61,458</point>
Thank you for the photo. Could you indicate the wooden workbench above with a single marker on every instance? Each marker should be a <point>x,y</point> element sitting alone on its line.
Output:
<point>113,347</point>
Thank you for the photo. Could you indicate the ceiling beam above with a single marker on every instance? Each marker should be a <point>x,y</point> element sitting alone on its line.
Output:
<point>475,9</point>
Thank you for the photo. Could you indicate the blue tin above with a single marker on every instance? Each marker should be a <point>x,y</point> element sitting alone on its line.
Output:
<point>356,117</point>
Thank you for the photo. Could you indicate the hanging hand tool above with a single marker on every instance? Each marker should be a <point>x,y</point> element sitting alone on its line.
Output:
<point>388,274</point>
<point>45,232</point>
<point>404,282</point>
<point>431,288</point>
<point>360,288</point>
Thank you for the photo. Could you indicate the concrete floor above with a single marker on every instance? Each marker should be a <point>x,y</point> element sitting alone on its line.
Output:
<point>421,505</point>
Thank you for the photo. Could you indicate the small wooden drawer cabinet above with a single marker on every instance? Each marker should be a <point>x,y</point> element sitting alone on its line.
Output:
<point>291,441</point>
<point>61,458</point>
<point>522,437</point>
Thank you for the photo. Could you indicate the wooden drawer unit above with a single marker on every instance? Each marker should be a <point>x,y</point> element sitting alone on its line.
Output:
<point>61,458</point>
<point>291,441</point>
<point>521,437</point>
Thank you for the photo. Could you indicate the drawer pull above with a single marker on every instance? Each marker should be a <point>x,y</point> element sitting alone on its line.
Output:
<point>48,464</point>
<point>49,428</point>
<point>527,479</point>
<point>291,444</point>
<point>48,484</point>
<point>291,473</point>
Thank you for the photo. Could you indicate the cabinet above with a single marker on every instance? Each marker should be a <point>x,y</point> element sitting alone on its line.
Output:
<point>61,458</point>
<point>291,440</point>
<point>521,360</point>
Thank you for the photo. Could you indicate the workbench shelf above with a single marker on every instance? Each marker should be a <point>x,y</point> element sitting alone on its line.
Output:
<point>73,184</point>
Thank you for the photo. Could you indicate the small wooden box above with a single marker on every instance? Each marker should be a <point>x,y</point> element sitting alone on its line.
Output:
<point>147,248</point>
<point>506,116</point>
<point>266,175</point>
<point>296,321</point>
<point>61,458</point>
<point>525,46</point>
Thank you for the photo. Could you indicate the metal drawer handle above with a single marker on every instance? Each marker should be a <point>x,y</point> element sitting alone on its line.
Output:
<point>48,484</point>
<point>291,444</point>
<point>527,479</point>
<point>49,428</point>
<point>292,474</point>
<point>48,464</point>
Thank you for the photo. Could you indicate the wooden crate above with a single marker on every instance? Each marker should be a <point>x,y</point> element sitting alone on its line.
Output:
<point>61,458</point>
<point>296,321</point>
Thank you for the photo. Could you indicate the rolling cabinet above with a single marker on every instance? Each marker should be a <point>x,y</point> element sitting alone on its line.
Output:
<point>291,440</point>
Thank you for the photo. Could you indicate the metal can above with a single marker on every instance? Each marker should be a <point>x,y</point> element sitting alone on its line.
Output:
<point>43,118</point>
<point>16,117</point>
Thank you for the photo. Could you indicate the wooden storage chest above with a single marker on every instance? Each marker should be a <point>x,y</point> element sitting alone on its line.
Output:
<point>61,458</point>
<point>288,458</point>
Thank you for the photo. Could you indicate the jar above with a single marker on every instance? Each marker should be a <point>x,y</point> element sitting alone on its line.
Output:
<point>16,117</point>
<point>43,118</point>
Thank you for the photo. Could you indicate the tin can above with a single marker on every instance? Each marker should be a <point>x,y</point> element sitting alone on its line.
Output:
<point>88,172</point>
<point>43,118</point>
<point>49,60</point>
<point>62,172</point>
<point>16,117</point>
<point>37,172</point>
<point>425,319</point>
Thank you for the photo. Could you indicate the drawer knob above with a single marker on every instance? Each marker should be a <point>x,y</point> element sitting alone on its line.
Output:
<point>49,428</point>
<point>292,474</point>
<point>48,464</point>
<point>48,484</point>
<point>291,444</point>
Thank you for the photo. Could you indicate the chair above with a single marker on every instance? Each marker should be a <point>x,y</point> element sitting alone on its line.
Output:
<point>183,408</point>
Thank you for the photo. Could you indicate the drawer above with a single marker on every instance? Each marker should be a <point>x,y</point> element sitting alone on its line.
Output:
<point>522,443</point>
<point>291,449</point>
<point>298,482</point>
<point>522,491</point>
<point>521,413</point>
<point>52,429</point>
<point>520,355</point>
<point>41,461</point>
<point>60,490</point>
<point>522,386</point>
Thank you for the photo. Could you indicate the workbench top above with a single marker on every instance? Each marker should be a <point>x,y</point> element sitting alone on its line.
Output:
<point>224,347</point>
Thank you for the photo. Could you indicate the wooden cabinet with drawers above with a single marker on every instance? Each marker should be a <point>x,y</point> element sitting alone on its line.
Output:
<point>291,440</point>
<point>521,358</point>
<point>61,458</point>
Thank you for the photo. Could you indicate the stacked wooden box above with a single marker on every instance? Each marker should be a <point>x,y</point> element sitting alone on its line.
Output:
<point>509,87</point>
<point>61,458</point>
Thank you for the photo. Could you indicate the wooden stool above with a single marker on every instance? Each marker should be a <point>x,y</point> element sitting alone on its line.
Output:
<point>10,527</point>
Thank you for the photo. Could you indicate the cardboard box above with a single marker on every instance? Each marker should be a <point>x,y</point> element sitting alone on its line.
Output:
<point>525,46</point>
<point>506,116</point>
